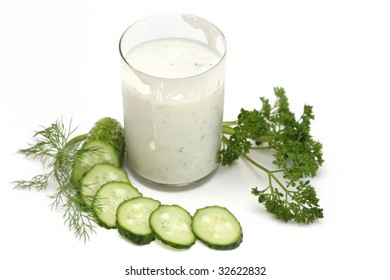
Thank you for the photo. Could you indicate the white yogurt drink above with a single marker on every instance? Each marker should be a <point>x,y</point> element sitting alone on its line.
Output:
<point>173,91</point>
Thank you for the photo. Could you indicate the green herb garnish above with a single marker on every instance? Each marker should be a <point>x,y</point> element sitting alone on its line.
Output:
<point>53,146</point>
<point>297,157</point>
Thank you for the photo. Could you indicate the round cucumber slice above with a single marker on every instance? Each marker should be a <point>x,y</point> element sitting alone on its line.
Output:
<point>96,177</point>
<point>171,224</point>
<point>217,227</point>
<point>107,200</point>
<point>133,219</point>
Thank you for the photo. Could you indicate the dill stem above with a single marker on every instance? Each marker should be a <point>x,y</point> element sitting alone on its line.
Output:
<point>76,140</point>
<point>58,160</point>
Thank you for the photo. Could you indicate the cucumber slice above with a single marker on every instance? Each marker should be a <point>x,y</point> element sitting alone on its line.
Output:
<point>100,152</point>
<point>106,144</point>
<point>171,224</point>
<point>132,219</point>
<point>107,200</point>
<point>96,177</point>
<point>217,227</point>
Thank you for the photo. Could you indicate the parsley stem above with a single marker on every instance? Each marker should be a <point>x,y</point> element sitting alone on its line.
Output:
<point>225,140</point>
<point>269,173</point>
<point>229,123</point>
<point>227,130</point>
<point>265,138</point>
<point>260,147</point>
<point>255,163</point>
<point>277,171</point>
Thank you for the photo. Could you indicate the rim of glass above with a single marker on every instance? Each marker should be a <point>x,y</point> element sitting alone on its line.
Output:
<point>171,14</point>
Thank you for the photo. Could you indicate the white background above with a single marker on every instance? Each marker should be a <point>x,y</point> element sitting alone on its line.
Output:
<point>60,58</point>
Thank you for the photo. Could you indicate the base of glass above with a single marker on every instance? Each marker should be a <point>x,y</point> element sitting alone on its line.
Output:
<point>168,186</point>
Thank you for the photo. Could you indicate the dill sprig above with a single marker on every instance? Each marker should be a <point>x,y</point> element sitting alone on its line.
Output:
<point>56,149</point>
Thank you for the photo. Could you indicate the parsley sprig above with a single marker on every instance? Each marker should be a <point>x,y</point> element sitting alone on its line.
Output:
<point>289,194</point>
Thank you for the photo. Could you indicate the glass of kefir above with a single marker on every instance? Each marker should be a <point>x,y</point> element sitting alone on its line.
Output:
<point>173,70</point>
